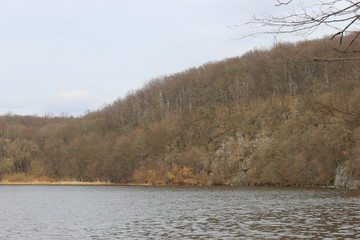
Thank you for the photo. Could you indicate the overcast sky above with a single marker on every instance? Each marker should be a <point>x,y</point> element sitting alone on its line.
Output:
<point>70,56</point>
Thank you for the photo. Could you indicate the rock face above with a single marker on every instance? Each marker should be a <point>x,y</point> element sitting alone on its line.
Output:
<point>237,153</point>
<point>344,177</point>
<point>292,149</point>
<point>235,160</point>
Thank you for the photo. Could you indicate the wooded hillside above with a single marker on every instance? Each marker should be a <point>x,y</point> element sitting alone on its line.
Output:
<point>269,117</point>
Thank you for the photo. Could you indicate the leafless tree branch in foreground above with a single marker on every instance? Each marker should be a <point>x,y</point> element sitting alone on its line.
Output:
<point>303,19</point>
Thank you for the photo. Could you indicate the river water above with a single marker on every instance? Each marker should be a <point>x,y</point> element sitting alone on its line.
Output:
<point>149,212</point>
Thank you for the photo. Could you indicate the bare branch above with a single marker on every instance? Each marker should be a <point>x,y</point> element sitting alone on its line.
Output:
<point>342,32</point>
<point>299,20</point>
<point>321,59</point>
<point>349,45</point>
<point>343,113</point>
<point>283,3</point>
<point>302,19</point>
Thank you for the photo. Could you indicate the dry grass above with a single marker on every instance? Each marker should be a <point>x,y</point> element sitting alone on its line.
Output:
<point>27,179</point>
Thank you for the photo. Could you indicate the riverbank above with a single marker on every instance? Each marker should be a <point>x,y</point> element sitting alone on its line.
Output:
<point>28,179</point>
<point>72,183</point>
<point>99,183</point>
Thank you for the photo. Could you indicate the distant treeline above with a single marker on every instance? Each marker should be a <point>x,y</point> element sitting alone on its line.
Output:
<point>267,117</point>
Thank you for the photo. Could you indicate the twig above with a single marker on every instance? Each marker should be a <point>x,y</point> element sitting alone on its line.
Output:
<point>320,59</point>
<point>282,3</point>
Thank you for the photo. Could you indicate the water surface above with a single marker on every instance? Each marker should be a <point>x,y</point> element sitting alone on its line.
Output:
<point>141,212</point>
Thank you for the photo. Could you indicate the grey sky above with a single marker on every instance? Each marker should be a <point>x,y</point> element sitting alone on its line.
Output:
<point>70,56</point>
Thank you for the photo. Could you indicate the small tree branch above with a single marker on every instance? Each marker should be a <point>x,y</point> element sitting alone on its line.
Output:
<point>337,112</point>
<point>282,3</point>
<point>342,15</point>
<point>300,20</point>
<point>321,59</point>
<point>341,33</point>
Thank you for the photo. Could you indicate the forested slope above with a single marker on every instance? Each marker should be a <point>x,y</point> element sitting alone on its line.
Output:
<point>269,117</point>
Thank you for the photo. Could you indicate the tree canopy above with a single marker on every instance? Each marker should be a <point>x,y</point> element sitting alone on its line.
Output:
<point>267,117</point>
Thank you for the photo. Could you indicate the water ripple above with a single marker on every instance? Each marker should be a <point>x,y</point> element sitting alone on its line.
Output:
<point>90,212</point>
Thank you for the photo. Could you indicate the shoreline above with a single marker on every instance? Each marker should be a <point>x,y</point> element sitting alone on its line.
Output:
<point>70,183</point>
<point>79,183</point>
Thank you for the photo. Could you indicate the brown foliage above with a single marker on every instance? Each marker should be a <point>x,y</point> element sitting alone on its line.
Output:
<point>267,117</point>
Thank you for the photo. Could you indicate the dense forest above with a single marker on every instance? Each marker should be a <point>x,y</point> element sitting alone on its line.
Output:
<point>270,117</point>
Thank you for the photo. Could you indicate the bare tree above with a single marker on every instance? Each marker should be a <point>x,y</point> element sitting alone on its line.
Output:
<point>302,18</point>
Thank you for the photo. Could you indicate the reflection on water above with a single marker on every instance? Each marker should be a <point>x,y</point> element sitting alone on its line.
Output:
<point>115,212</point>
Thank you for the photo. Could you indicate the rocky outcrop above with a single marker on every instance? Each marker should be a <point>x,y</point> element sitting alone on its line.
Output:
<point>237,153</point>
<point>344,177</point>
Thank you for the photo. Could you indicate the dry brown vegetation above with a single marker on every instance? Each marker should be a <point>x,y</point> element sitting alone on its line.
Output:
<point>269,117</point>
